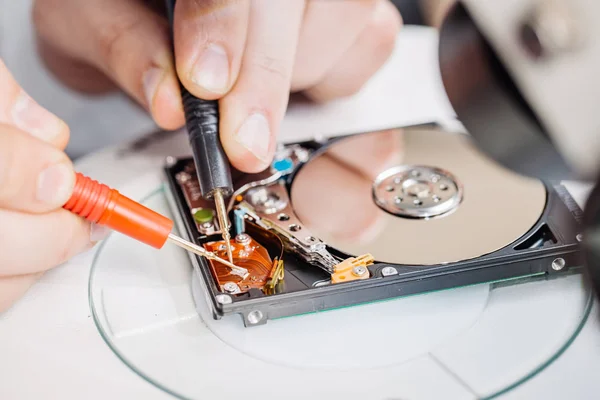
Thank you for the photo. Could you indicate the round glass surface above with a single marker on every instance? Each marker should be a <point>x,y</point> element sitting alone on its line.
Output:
<point>477,341</point>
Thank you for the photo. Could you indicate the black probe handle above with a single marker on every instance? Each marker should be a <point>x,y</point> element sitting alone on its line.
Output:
<point>202,123</point>
<point>212,164</point>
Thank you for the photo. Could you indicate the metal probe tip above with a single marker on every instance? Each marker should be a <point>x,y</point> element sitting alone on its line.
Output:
<point>194,248</point>
<point>223,222</point>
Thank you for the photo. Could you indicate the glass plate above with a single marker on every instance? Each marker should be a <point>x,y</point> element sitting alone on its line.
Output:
<point>477,341</point>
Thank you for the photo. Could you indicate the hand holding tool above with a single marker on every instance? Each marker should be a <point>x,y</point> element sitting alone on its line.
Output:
<point>105,206</point>
<point>212,164</point>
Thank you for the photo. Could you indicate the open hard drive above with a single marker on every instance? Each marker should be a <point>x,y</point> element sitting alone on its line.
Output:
<point>371,217</point>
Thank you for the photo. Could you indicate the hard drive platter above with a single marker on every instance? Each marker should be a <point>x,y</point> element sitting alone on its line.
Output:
<point>343,200</point>
<point>370,217</point>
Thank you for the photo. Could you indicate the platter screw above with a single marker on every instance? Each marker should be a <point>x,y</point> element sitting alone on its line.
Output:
<point>230,287</point>
<point>435,178</point>
<point>558,264</point>
<point>389,271</point>
<point>359,271</point>
<point>254,317</point>
<point>242,238</point>
<point>579,237</point>
<point>224,299</point>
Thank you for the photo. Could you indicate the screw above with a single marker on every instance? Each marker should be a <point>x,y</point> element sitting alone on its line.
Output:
<point>242,238</point>
<point>435,178</point>
<point>443,187</point>
<point>389,271</point>
<point>254,317</point>
<point>436,199</point>
<point>224,299</point>
<point>230,287</point>
<point>558,264</point>
<point>397,199</point>
<point>170,161</point>
<point>182,177</point>
<point>359,271</point>
<point>579,237</point>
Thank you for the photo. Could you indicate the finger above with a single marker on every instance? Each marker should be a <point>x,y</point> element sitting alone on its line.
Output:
<point>370,51</point>
<point>34,243</point>
<point>72,72</point>
<point>252,111</point>
<point>34,176</point>
<point>13,288</point>
<point>21,111</point>
<point>125,40</point>
<point>209,44</point>
<point>322,42</point>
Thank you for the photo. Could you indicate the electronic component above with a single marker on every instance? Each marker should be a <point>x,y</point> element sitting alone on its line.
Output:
<point>352,269</point>
<point>248,254</point>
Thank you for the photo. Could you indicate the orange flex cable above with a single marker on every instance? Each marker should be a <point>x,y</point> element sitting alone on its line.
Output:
<point>100,204</point>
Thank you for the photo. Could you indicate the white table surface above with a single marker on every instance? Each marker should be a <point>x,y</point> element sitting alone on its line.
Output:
<point>49,345</point>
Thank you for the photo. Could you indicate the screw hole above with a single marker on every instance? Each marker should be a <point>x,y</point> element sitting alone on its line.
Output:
<point>283,217</point>
<point>295,228</point>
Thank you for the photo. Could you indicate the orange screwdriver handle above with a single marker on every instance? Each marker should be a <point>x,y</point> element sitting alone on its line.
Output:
<point>105,206</point>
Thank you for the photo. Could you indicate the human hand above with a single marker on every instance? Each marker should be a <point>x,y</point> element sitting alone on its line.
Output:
<point>248,53</point>
<point>36,179</point>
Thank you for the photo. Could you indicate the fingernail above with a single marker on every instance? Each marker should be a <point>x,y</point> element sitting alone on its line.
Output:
<point>211,70</point>
<point>150,82</point>
<point>34,119</point>
<point>98,233</point>
<point>255,136</point>
<point>55,185</point>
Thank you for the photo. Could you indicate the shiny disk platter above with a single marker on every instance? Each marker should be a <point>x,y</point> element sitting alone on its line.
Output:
<point>414,197</point>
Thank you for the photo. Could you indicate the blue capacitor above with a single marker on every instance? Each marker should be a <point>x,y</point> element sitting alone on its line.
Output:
<point>239,222</point>
<point>283,165</point>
